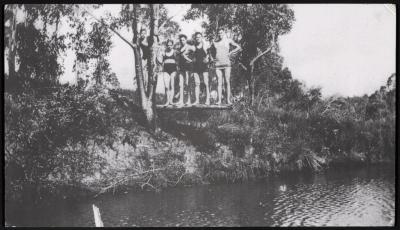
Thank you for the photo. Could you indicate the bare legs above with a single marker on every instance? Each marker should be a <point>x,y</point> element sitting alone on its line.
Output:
<point>183,81</point>
<point>224,74</point>
<point>172,88</point>
<point>187,76</point>
<point>164,76</point>
<point>206,83</point>
<point>180,102</point>
<point>228,85</point>
<point>219,81</point>
<point>197,87</point>
<point>169,86</point>
<point>223,80</point>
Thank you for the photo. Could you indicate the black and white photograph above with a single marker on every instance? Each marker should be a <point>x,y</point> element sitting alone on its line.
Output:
<point>199,115</point>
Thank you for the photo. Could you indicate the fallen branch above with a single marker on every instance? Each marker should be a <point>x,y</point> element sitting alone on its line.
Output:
<point>126,178</point>
<point>147,183</point>
<point>180,178</point>
<point>193,107</point>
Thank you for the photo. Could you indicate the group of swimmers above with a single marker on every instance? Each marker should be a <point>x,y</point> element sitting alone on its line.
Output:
<point>193,62</point>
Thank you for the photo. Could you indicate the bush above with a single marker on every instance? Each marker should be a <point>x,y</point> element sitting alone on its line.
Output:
<point>49,136</point>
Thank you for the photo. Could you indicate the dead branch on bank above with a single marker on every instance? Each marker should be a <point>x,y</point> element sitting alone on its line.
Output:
<point>122,179</point>
<point>194,107</point>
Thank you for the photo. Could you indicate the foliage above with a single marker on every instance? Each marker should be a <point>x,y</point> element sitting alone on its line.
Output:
<point>168,28</point>
<point>50,137</point>
<point>308,132</point>
<point>284,130</point>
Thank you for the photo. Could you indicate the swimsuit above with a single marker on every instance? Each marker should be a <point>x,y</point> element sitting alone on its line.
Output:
<point>169,63</point>
<point>200,63</point>
<point>145,48</point>
<point>222,53</point>
<point>182,62</point>
<point>169,68</point>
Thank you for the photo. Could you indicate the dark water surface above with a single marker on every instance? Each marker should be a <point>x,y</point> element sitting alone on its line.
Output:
<point>357,197</point>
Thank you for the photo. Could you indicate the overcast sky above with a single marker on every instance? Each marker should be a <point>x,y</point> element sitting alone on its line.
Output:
<point>344,49</point>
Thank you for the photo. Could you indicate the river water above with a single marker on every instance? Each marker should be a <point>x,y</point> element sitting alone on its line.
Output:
<point>356,197</point>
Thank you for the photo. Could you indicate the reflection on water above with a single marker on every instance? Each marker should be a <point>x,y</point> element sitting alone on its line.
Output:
<point>363,197</point>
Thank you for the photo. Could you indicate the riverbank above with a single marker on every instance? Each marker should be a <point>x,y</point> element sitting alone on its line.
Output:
<point>168,162</point>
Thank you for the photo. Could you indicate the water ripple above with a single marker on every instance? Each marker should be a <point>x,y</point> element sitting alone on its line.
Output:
<point>348,199</point>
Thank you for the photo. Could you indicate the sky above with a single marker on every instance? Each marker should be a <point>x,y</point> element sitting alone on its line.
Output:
<point>346,49</point>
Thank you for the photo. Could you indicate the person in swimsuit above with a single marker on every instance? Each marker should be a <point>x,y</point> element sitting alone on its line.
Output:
<point>144,44</point>
<point>222,63</point>
<point>169,71</point>
<point>145,52</point>
<point>185,67</point>
<point>200,67</point>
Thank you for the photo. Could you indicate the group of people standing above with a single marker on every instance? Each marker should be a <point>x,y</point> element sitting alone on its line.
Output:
<point>195,61</point>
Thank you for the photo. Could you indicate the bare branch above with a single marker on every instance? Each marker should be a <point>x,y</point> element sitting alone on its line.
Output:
<point>260,55</point>
<point>273,44</point>
<point>243,66</point>
<point>168,19</point>
<point>133,46</point>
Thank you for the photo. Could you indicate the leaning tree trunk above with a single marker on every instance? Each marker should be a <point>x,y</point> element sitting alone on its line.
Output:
<point>147,96</point>
<point>12,41</point>
<point>153,43</point>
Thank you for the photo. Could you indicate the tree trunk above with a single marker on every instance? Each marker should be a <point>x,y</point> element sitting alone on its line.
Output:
<point>147,96</point>
<point>12,41</point>
<point>154,17</point>
<point>145,102</point>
